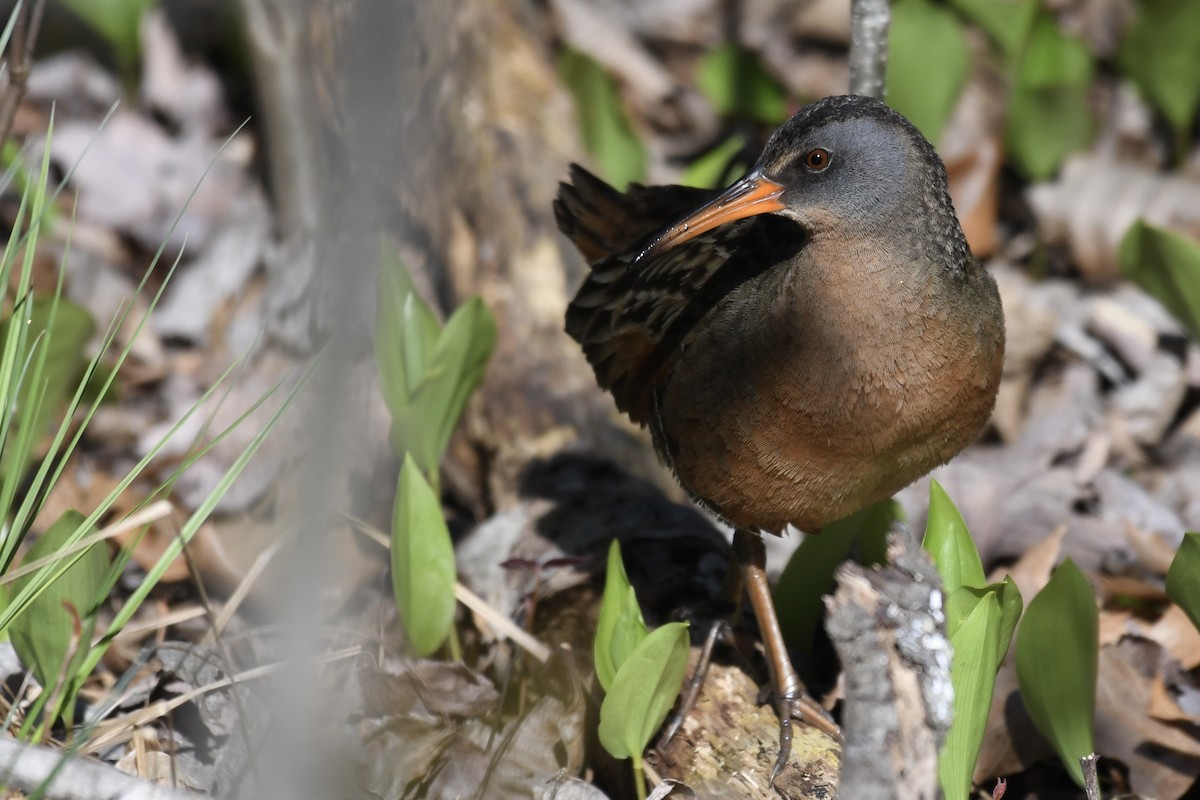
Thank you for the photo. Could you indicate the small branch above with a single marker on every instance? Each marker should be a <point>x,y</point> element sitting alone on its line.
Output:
<point>1091,785</point>
<point>62,776</point>
<point>889,632</point>
<point>869,20</point>
<point>20,52</point>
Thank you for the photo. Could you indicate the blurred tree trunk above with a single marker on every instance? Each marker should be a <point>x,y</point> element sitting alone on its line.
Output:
<point>441,126</point>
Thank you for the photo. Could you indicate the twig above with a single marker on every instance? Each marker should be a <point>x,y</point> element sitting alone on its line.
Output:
<point>888,629</point>
<point>1091,785</point>
<point>20,51</point>
<point>869,20</point>
<point>62,776</point>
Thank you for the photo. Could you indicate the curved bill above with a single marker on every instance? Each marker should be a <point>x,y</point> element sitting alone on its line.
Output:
<point>750,196</point>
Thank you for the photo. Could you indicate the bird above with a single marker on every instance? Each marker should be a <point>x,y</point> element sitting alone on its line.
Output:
<point>806,342</point>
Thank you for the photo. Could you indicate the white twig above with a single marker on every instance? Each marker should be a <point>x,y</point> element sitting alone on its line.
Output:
<point>62,776</point>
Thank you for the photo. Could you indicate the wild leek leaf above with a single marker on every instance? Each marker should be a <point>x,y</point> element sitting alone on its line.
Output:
<point>717,167</point>
<point>606,131</point>
<point>973,674</point>
<point>620,628</point>
<point>1160,53</point>
<point>1049,115</point>
<point>735,82</point>
<point>928,63</point>
<point>51,361</point>
<point>949,543</point>
<point>643,691</point>
<point>1006,21</point>
<point>45,631</point>
<point>427,373</point>
<point>1167,266</point>
<point>1183,579</point>
<point>423,571</point>
<point>1056,657</point>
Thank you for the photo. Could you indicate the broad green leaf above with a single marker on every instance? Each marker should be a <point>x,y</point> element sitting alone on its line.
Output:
<point>606,131</point>
<point>1049,115</point>
<point>423,572</point>
<point>56,333</point>
<point>735,82</point>
<point>1011,605</point>
<point>1167,266</point>
<point>928,63</point>
<point>1056,655</point>
<point>973,675</point>
<point>405,331</point>
<point>1183,579</point>
<point>1161,53</point>
<point>620,628</point>
<point>980,624</point>
<point>118,21</point>
<point>457,367</point>
<point>949,543</point>
<point>644,690</point>
<point>427,372</point>
<point>1006,21</point>
<point>716,167</point>
<point>42,634</point>
<point>808,575</point>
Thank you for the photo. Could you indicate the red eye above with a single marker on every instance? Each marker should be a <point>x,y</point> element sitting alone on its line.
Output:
<point>817,159</point>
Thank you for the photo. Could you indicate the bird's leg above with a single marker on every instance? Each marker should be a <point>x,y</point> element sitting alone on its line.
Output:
<point>789,695</point>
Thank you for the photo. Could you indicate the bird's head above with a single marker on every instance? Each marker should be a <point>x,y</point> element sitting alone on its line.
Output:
<point>848,163</point>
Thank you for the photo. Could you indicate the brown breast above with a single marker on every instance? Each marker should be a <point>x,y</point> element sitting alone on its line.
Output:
<point>816,389</point>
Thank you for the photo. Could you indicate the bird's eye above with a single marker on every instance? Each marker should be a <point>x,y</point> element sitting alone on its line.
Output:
<point>817,159</point>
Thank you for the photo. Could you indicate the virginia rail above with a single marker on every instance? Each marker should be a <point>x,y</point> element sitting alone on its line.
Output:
<point>804,343</point>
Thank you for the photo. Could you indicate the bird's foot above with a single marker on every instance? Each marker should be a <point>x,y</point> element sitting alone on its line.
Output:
<point>795,704</point>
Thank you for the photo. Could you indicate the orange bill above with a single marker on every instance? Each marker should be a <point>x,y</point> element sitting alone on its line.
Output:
<point>750,196</point>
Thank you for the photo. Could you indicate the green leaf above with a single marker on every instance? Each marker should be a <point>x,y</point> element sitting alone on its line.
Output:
<point>56,333</point>
<point>620,628</point>
<point>716,167</point>
<point>1056,655</point>
<point>1049,115</point>
<point>405,332</point>
<point>735,82</point>
<point>1161,53</point>
<point>928,64</point>
<point>808,575</point>
<point>949,543</point>
<point>607,134</point>
<point>423,572</point>
<point>973,675</point>
<point>1183,579</point>
<point>644,690</point>
<point>427,373</point>
<point>1167,266</point>
<point>43,632</point>
<point>457,367</point>
<point>1006,21</point>
<point>118,21</point>
<point>979,624</point>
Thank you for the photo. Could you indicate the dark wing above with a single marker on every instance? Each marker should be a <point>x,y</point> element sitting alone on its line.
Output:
<point>630,321</point>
